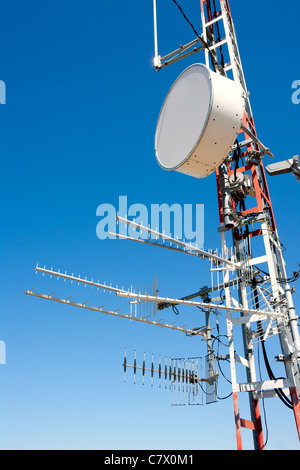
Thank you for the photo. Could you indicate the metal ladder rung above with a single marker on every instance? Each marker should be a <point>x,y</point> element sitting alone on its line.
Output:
<point>246,423</point>
<point>218,44</point>
<point>220,17</point>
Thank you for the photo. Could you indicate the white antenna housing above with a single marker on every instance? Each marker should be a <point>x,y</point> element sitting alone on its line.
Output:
<point>199,122</point>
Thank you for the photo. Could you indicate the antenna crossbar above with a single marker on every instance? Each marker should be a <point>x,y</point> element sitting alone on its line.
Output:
<point>180,53</point>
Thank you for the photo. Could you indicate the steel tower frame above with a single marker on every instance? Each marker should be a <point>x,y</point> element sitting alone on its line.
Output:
<point>249,149</point>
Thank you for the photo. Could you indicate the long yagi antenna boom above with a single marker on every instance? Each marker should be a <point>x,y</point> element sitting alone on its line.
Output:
<point>147,242</point>
<point>201,332</point>
<point>151,298</point>
<point>187,246</point>
<point>192,303</point>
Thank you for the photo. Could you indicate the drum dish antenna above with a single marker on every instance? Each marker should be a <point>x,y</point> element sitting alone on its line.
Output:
<point>199,122</point>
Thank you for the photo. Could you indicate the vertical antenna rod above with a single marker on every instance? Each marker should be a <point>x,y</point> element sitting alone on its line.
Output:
<point>156,58</point>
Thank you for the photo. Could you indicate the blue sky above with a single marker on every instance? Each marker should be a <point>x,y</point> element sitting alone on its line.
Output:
<point>78,131</point>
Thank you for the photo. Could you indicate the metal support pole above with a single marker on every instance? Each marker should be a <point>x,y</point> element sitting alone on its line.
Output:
<point>226,197</point>
<point>210,357</point>
<point>156,58</point>
<point>237,421</point>
<point>258,425</point>
<point>258,440</point>
<point>296,407</point>
<point>293,320</point>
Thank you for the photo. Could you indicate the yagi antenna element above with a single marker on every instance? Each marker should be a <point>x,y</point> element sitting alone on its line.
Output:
<point>199,122</point>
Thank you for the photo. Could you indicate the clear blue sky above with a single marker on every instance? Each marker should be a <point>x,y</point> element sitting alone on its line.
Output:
<point>78,131</point>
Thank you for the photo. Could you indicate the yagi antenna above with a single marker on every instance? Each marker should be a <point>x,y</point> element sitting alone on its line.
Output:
<point>132,317</point>
<point>183,377</point>
<point>121,292</point>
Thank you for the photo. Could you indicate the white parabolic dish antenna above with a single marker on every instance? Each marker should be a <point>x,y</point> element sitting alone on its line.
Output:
<point>199,122</point>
